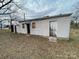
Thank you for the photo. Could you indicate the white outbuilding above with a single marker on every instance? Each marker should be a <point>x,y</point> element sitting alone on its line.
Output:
<point>55,26</point>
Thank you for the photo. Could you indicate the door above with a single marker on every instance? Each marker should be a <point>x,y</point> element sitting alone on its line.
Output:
<point>28,28</point>
<point>53,29</point>
<point>12,28</point>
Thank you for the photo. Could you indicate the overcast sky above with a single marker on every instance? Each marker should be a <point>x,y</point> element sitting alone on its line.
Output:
<point>39,8</point>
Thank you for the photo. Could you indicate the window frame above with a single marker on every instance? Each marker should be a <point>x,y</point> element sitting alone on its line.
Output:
<point>33,25</point>
<point>23,26</point>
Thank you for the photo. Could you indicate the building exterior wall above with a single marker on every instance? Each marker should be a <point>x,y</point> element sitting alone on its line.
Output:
<point>63,27</point>
<point>21,30</point>
<point>42,27</point>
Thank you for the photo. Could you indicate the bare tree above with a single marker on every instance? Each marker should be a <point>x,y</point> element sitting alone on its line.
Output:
<point>12,9</point>
<point>76,14</point>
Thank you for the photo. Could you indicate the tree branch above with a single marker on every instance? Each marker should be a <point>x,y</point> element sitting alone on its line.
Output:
<point>6,4</point>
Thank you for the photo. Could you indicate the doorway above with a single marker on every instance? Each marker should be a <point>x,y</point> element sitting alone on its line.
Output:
<point>12,28</point>
<point>53,28</point>
<point>28,28</point>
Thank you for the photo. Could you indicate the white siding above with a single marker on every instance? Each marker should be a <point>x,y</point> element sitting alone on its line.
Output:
<point>21,30</point>
<point>42,28</point>
<point>63,27</point>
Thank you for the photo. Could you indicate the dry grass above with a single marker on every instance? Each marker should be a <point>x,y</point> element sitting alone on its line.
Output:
<point>19,46</point>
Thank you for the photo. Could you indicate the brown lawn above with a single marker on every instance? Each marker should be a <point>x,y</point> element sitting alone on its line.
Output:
<point>19,46</point>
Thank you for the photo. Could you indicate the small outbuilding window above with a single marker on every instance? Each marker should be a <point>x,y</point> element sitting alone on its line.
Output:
<point>23,25</point>
<point>33,25</point>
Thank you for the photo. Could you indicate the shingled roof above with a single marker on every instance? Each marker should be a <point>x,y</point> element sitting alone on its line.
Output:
<point>48,17</point>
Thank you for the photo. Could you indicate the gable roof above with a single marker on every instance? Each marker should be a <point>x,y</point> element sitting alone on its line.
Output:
<point>48,17</point>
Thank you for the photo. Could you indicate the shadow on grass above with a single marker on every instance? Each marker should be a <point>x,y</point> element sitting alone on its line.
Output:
<point>70,40</point>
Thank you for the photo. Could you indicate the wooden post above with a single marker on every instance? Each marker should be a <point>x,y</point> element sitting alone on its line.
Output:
<point>1,24</point>
<point>11,24</point>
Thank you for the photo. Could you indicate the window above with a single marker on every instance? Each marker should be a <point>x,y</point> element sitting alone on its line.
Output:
<point>33,25</point>
<point>23,26</point>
